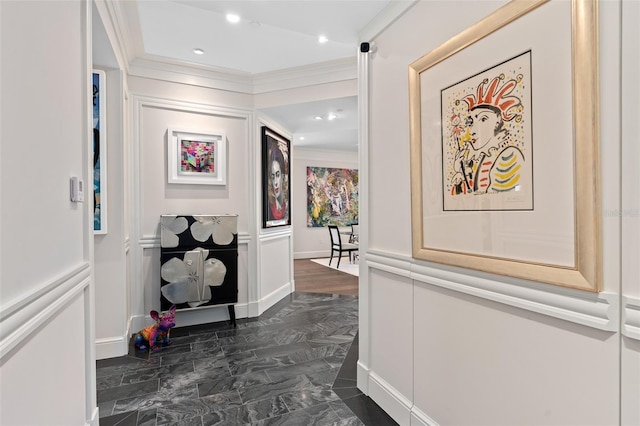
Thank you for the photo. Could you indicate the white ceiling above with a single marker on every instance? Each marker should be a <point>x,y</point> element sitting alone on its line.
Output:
<point>272,35</point>
<point>340,133</point>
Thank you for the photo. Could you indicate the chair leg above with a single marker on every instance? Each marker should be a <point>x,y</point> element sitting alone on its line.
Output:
<point>331,258</point>
<point>339,257</point>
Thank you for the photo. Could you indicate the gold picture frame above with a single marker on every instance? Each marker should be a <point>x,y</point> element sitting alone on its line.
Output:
<point>583,269</point>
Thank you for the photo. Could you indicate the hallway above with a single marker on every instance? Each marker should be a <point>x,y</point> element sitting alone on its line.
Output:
<point>295,364</point>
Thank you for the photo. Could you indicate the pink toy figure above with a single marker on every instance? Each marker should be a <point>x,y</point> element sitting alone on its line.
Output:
<point>158,332</point>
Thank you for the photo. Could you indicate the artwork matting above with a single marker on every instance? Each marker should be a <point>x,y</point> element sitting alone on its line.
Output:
<point>99,152</point>
<point>196,157</point>
<point>276,178</point>
<point>573,88</point>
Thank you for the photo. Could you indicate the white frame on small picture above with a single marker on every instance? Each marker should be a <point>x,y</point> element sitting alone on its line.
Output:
<point>176,173</point>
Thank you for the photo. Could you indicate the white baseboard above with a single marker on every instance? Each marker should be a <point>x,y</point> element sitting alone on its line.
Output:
<point>418,418</point>
<point>274,297</point>
<point>362,376</point>
<point>390,400</point>
<point>187,317</point>
<point>311,254</point>
<point>95,418</point>
<point>207,314</point>
<point>399,407</point>
<point>112,347</point>
<point>253,309</point>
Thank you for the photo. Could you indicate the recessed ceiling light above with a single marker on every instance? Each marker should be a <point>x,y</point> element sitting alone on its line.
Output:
<point>301,138</point>
<point>317,117</point>
<point>323,39</point>
<point>332,117</point>
<point>198,51</point>
<point>233,18</point>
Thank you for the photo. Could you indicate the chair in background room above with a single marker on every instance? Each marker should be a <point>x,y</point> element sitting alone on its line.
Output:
<point>355,234</point>
<point>354,238</point>
<point>339,246</point>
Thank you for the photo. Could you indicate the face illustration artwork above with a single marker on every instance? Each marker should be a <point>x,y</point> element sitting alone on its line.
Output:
<point>276,179</point>
<point>484,125</point>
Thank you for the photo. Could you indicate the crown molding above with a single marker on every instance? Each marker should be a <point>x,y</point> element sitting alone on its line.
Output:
<point>196,75</point>
<point>124,42</point>
<point>386,17</point>
<point>312,153</point>
<point>307,75</point>
<point>171,71</point>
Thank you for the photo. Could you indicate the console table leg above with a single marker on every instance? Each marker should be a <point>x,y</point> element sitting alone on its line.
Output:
<point>232,314</point>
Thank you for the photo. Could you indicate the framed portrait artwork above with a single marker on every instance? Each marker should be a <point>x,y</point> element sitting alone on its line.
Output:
<point>99,153</point>
<point>196,158</point>
<point>504,146</point>
<point>276,206</point>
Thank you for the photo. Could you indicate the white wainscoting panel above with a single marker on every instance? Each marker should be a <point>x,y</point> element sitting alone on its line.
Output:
<point>20,318</point>
<point>275,269</point>
<point>597,310</point>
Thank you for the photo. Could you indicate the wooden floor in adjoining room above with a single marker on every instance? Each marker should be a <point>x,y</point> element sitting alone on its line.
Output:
<point>313,278</point>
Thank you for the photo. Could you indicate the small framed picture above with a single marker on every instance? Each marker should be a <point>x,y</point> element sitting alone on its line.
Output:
<point>196,158</point>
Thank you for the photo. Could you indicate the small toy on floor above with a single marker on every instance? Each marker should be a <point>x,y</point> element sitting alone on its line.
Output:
<point>158,332</point>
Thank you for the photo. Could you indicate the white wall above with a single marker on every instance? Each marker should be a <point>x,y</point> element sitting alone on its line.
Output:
<point>441,345</point>
<point>630,214</point>
<point>46,289</point>
<point>155,107</point>
<point>111,257</point>
<point>112,281</point>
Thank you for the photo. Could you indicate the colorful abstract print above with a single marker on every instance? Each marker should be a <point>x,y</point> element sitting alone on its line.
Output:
<point>332,196</point>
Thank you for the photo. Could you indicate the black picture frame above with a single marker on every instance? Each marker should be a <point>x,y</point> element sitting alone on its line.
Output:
<point>276,209</point>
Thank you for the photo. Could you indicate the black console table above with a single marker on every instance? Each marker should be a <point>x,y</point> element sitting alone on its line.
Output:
<point>199,261</point>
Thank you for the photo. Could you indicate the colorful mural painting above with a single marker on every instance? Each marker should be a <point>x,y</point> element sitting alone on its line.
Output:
<point>332,196</point>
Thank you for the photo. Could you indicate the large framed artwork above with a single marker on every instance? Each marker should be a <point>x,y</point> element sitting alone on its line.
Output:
<point>276,206</point>
<point>99,153</point>
<point>504,146</point>
<point>332,196</point>
<point>196,158</point>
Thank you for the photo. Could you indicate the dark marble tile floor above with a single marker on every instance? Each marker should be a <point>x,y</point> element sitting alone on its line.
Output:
<point>293,365</point>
